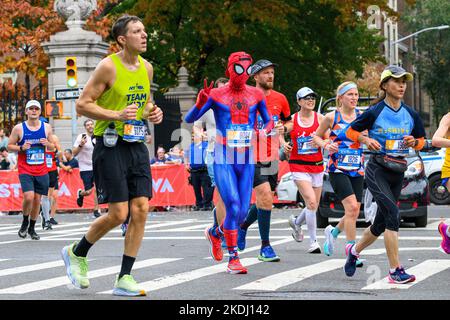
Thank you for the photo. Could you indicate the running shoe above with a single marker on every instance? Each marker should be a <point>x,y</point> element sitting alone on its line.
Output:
<point>267,254</point>
<point>53,221</point>
<point>80,198</point>
<point>127,286</point>
<point>314,248</point>
<point>235,266</point>
<point>350,263</point>
<point>445,243</point>
<point>97,213</point>
<point>297,233</point>
<point>23,229</point>
<point>76,267</point>
<point>359,263</point>
<point>33,235</point>
<point>124,228</point>
<point>400,276</point>
<point>216,245</point>
<point>328,246</point>
<point>242,233</point>
<point>47,225</point>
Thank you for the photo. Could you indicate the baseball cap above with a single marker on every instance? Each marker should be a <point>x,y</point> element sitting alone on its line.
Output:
<point>305,91</point>
<point>262,64</point>
<point>33,103</point>
<point>395,72</point>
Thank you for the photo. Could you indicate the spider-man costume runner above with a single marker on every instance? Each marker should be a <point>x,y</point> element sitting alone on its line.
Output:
<point>235,107</point>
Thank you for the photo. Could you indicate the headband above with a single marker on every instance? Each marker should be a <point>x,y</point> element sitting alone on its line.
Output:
<point>347,87</point>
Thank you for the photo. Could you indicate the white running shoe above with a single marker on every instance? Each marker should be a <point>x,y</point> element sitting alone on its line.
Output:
<point>297,233</point>
<point>328,246</point>
<point>314,248</point>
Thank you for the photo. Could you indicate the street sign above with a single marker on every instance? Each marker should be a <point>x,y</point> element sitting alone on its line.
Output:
<point>68,94</point>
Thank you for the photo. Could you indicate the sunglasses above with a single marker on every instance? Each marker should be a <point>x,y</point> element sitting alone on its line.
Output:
<point>34,108</point>
<point>309,98</point>
<point>240,69</point>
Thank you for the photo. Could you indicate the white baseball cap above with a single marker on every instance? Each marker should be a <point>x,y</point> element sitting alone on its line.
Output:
<point>305,91</point>
<point>33,103</point>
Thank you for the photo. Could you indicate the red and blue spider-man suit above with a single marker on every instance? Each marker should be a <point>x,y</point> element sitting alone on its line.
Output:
<point>235,107</point>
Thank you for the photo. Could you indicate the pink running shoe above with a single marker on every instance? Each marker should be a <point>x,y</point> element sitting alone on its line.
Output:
<point>445,244</point>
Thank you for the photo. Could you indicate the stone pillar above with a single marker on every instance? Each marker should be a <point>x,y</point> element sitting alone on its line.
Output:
<point>186,95</point>
<point>87,47</point>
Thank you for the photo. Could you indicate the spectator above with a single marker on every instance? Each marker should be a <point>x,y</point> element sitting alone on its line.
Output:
<point>200,180</point>
<point>176,154</point>
<point>161,157</point>
<point>3,138</point>
<point>8,161</point>
<point>70,162</point>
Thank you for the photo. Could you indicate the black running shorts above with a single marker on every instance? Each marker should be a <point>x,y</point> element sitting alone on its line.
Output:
<point>121,173</point>
<point>266,172</point>
<point>344,185</point>
<point>53,179</point>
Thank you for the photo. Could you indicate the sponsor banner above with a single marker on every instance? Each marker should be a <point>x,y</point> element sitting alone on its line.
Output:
<point>169,186</point>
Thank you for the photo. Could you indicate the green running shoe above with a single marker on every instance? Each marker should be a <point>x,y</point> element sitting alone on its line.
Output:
<point>76,267</point>
<point>127,286</point>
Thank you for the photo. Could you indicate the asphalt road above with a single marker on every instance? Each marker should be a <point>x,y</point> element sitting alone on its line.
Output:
<point>174,263</point>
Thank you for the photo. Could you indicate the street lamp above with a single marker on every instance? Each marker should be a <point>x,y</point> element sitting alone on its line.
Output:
<point>412,35</point>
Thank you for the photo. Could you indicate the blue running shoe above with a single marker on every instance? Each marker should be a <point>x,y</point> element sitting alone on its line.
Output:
<point>242,233</point>
<point>350,264</point>
<point>400,276</point>
<point>268,255</point>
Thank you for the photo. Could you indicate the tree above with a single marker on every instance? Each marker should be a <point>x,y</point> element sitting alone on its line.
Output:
<point>24,25</point>
<point>432,58</point>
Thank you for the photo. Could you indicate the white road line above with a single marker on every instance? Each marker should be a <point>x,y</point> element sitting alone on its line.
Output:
<point>168,281</point>
<point>60,281</point>
<point>422,271</point>
<point>374,252</point>
<point>196,227</point>
<point>33,267</point>
<point>4,260</point>
<point>282,279</point>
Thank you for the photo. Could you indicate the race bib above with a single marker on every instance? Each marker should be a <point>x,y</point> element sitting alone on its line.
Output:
<point>260,124</point>
<point>35,155</point>
<point>306,145</point>
<point>134,131</point>
<point>349,159</point>
<point>395,146</point>
<point>49,160</point>
<point>239,135</point>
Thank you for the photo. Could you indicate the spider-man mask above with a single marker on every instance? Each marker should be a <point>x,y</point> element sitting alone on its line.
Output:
<point>239,68</point>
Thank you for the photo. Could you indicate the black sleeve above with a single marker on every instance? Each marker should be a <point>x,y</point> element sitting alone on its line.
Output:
<point>284,118</point>
<point>418,130</point>
<point>365,120</point>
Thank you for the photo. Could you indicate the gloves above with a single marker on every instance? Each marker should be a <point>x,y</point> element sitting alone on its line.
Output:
<point>203,95</point>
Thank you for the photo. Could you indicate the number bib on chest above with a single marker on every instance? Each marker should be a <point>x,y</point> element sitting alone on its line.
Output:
<point>49,160</point>
<point>35,155</point>
<point>395,146</point>
<point>260,124</point>
<point>239,135</point>
<point>349,159</point>
<point>306,145</point>
<point>134,131</point>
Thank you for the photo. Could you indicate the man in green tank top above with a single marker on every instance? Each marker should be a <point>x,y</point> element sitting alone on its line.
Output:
<point>117,95</point>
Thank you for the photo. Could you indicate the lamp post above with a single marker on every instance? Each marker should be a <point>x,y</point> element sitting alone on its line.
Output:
<point>394,57</point>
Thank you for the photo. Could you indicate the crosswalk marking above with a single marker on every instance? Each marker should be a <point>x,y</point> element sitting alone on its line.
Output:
<point>422,271</point>
<point>64,280</point>
<point>180,278</point>
<point>282,279</point>
<point>374,252</point>
<point>29,268</point>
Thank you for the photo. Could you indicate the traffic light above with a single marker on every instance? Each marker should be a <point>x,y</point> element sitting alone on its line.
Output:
<point>71,72</point>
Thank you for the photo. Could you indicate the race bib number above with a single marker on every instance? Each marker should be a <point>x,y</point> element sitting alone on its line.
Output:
<point>260,124</point>
<point>134,131</point>
<point>395,146</point>
<point>239,136</point>
<point>35,155</point>
<point>349,159</point>
<point>306,145</point>
<point>49,160</point>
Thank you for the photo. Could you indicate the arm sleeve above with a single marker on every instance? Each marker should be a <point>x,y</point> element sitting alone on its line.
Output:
<point>285,114</point>
<point>418,130</point>
<point>195,113</point>
<point>363,122</point>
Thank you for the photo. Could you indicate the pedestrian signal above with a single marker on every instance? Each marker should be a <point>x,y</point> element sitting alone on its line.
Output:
<point>71,72</point>
<point>53,108</point>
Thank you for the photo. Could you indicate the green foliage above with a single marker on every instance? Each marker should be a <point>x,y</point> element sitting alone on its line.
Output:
<point>306,38</point>
<point>433,58</point>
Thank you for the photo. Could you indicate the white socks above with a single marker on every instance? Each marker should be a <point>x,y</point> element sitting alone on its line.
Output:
<point>311,221</point>
<point>45,203</point>
<point>301,217</point>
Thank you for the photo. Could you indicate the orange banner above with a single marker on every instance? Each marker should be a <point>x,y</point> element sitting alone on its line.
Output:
<point>170,188</point>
